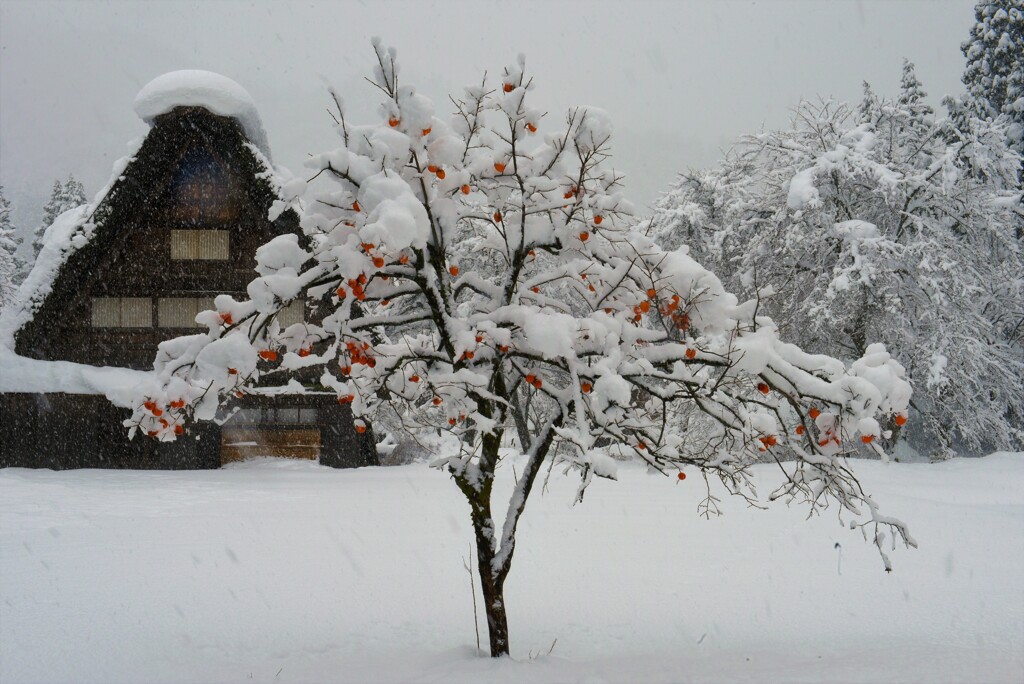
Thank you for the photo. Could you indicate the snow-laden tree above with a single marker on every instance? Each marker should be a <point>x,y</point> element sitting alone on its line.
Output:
<point>479,279</point>
<point>994,75</point>
<point>8,246</point>
<point>879,224</point>
<point>64,196</point>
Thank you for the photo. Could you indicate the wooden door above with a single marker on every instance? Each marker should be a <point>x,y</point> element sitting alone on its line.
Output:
<point>240,443</point>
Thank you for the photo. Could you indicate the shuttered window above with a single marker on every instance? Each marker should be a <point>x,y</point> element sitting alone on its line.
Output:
<point>122,312</point>
<point>291,314</point>
<point>199,244</point>
<point>180,312</point>
<point>282,416</point>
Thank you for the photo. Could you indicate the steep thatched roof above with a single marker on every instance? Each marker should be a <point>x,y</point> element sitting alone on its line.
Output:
<point>81,237</point>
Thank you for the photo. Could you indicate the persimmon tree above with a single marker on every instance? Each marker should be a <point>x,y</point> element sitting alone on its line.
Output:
<point>478,278</point>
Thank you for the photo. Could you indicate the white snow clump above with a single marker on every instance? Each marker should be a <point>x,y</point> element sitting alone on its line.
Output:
<point>196,88</point>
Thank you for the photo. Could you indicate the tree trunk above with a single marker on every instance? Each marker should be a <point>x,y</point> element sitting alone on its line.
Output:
<point>492,584</point>
<point>489,538</point>
<point>494,607</point>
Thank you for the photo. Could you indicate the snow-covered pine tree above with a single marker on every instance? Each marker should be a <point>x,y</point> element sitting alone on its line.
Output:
<point>868,106</point>
<point>480,280</point>
<point>8,246</point>
<point>994,75</point>
<point>51,210</point>
<point>882,224</point>
<point>64,196</point>
<point>917,115</point>
<point>74,192</point>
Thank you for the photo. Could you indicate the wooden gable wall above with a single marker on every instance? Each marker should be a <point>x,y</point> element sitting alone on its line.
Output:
<point>131,254</point>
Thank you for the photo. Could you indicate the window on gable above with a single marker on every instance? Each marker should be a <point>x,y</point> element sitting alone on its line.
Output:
<point>202,189</point>
<point>122,312</point>
<point>199,244</point>
<point>180,312</point>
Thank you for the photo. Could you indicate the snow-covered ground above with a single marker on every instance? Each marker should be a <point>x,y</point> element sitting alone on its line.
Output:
<point>282,571</point>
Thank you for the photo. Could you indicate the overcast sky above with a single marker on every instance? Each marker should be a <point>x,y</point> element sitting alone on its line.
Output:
<point>680,79</point>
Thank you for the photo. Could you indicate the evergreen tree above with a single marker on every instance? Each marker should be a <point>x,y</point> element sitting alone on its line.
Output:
<point>994,75</point>
<point>74,192</point>
<point>995,58</point>
<point>64,196</point>
<point>868,105</point>
<point>910,103</point>
<point>8,246</point>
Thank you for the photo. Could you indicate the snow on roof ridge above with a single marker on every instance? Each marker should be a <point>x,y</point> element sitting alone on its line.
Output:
<point>211,91</point>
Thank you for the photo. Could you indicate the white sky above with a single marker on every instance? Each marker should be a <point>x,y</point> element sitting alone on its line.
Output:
<point>680,79</point>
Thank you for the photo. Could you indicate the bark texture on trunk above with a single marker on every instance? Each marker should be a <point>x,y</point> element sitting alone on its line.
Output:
<point>493,590</point>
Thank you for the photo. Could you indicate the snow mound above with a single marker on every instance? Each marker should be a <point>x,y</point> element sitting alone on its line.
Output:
<point>197,88</point>
<point>36,376</point>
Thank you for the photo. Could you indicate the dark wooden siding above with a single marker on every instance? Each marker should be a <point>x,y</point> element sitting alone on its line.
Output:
<point>63,431</point>
<point>130,256</point>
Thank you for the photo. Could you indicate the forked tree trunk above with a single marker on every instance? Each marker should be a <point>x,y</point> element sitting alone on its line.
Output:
<point>492,583</point>
<point>493,572</point>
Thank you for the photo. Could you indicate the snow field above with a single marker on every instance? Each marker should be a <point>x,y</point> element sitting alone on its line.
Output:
<point>283,571</point>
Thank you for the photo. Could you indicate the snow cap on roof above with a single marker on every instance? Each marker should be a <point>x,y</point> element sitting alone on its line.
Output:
<point>213,92</point>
